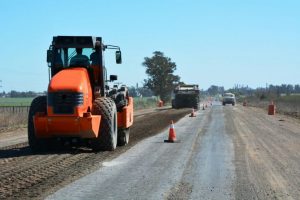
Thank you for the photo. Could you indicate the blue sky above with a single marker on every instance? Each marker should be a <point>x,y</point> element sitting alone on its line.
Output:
<point>251,42</point>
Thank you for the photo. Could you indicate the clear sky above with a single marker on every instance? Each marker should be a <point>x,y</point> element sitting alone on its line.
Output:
<point>221,42</point>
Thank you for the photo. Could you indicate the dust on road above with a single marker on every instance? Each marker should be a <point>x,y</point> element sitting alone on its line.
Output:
<point>34,176</point>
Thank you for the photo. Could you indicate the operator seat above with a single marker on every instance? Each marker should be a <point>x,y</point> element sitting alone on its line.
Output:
<point>80,61</point>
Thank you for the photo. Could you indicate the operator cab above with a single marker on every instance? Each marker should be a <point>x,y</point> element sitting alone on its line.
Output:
<point>81,51</point>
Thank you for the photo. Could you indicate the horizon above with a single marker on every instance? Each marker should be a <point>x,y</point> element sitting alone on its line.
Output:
<point>238,86</point>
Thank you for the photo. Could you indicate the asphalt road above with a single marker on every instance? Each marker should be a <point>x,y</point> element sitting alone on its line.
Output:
<point>224,153</point>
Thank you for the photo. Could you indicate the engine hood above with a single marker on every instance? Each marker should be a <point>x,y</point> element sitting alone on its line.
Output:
<point>74,79</point>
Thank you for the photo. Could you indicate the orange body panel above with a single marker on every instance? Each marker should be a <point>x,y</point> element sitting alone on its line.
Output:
<point>66,126</point>
<point>125,118</point>
<point>80,123</point>
<point>72,80</point>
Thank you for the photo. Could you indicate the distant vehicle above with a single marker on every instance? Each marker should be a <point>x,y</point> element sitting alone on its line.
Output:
<point>228,98</point>
<point>186,96</point>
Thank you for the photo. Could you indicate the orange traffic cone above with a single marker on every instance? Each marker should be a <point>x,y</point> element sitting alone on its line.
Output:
<point>272,109</point>
<point>172,134</point>
<point>160,103</point>
<point>193,114</point>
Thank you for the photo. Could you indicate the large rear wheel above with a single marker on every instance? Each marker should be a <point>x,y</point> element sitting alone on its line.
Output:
<point>39,104</point>
<point>107,137</point>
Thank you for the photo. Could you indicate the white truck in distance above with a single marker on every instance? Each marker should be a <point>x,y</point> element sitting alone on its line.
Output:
<point>228,98</point>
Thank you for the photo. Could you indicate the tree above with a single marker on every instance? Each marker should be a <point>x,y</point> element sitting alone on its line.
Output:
<point>289,89</point>
<point>297,88</point>
<point>145,92</point>
<point>132,91</point>
<point>161,79</point>
<point>214,90</point>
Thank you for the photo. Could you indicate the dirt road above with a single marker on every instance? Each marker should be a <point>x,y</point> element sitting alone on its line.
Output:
<point>19,135</point>
<point>224,153</point>
<point>267,154</point>
<point>33,176</point>
<point>230,152</point>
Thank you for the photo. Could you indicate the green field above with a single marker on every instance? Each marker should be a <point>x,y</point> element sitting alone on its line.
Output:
<point>145,102</point>
<point>284,99</point>
<point>15,101</point>
<point>139,103</point>
<point>290,99</point>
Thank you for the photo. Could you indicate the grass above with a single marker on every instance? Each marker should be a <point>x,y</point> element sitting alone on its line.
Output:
<point>283,99</point>
<point>9,120</point>
<point>288,105</point>
<point>139,103</point>
<point>15,101</point>
<point>289,99</point>
<point>145,102</point>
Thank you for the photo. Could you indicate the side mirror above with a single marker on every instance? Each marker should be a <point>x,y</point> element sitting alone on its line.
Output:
<point>113,78</point>
<point>49,56</point>
<point>118,57</point>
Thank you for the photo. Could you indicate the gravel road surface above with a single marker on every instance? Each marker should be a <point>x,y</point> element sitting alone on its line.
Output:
<point>267,153</point>
<point>24,175</point>
<point>224,153</point>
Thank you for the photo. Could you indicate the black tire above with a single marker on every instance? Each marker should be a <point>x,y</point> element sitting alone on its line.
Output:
<point>173,103</point>
<point>196,104</point>
<point>233,104</point>
<point>223,104</point>
<point>178,103</point>
<point>123,136</point>
<point>108,130</point>
<point>39,104</point>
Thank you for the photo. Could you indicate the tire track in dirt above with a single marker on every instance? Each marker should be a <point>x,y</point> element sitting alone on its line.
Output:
<point>34,176</point>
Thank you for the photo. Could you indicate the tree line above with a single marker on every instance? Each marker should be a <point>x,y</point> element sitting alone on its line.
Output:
<point>17,94</point>
<point>260,92</point>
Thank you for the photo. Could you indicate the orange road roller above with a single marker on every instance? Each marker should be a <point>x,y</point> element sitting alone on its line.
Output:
<point>80,105</point>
